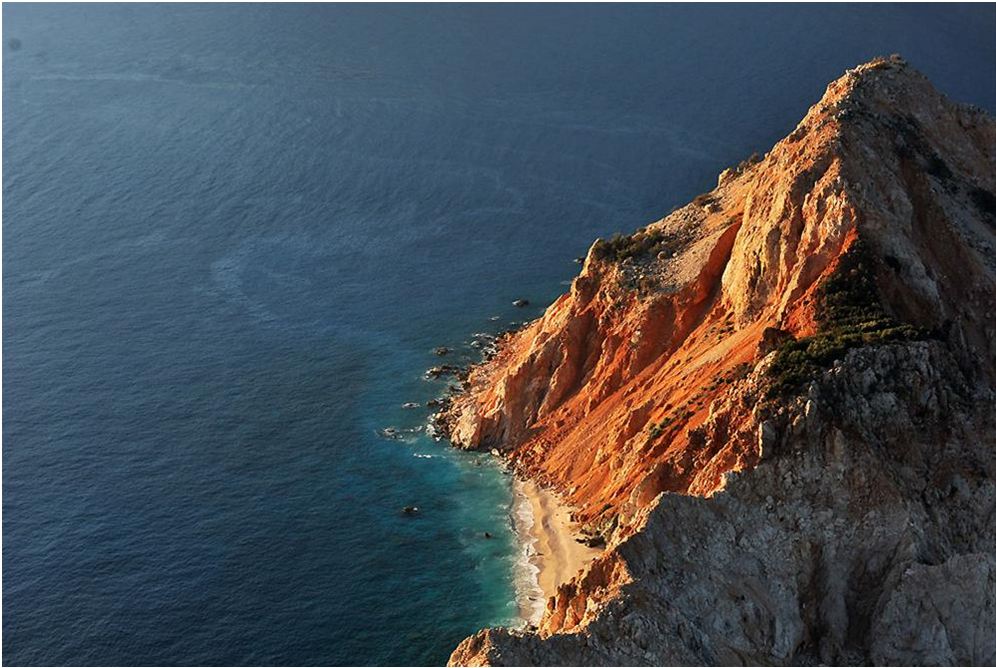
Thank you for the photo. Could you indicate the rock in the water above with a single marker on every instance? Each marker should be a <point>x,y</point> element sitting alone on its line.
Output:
<point>443,370</point>
<point>520,302</point>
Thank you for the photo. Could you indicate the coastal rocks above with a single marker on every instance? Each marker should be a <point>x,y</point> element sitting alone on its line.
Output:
<point>776,404</point>
<point>398,434</point>
<point>441,351</point>
<point>410,510</point>
<point>410,404</point>
<point>844,545</point>
<point>486,344</point>
<point>520,303</point>
<point>443,370</point>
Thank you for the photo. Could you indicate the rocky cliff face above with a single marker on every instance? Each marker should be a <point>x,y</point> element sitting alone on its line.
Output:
<point>777,404</point>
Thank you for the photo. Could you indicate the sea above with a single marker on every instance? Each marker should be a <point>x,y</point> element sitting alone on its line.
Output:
<point>233,236</point>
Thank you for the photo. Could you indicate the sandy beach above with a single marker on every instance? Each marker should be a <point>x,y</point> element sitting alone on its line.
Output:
<point>553,554</point>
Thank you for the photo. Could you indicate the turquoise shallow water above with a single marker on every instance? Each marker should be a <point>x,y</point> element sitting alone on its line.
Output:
<point>232,237</point>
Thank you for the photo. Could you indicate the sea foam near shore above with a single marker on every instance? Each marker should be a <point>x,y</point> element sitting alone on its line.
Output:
<point>528,593</point>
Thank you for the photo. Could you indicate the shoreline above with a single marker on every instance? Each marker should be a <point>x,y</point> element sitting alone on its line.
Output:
<point>550,554</point>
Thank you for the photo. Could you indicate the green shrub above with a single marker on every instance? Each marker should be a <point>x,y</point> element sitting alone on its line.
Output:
<point>849,314</point>
<point>620,247</point>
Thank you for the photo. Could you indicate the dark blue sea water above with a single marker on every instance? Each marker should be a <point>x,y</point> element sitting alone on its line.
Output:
<point>232,236</point>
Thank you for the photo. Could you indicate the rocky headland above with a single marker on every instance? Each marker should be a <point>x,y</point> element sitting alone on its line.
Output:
<point>775,405</point>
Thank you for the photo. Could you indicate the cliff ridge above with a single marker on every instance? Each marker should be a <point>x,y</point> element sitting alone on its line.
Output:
<point>776,404</point>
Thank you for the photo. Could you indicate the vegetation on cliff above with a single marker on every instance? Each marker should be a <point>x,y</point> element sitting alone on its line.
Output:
<point>620,247</point>
<point>850,314</point>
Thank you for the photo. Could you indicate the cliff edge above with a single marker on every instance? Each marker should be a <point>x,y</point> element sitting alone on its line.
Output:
<point>776,405</point>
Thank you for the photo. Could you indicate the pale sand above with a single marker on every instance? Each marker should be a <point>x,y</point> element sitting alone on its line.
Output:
<point>558,556</point>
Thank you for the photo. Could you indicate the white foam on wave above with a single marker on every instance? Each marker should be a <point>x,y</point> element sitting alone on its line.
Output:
<point>528,594</point>
<point>421,456</point>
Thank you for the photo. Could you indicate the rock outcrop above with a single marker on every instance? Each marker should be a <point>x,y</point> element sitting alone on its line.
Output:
<point>777,404</point>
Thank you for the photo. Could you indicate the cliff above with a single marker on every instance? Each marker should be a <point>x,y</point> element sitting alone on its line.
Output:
<point>777,405</point>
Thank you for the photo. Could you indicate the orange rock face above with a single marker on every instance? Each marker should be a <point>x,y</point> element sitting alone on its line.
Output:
<point>609,395</point>
<point>821,322</point>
